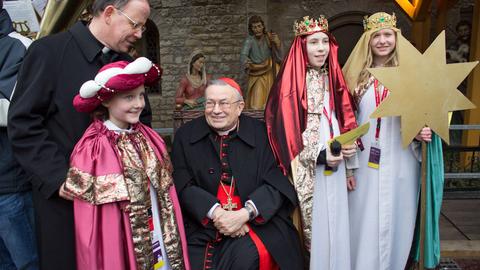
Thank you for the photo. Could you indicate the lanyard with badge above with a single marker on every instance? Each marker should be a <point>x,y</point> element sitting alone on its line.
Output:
<point>329,170</point>
<point>374,158</point>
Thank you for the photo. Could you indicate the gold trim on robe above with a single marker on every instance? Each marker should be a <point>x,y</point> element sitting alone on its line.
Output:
<point>305,164</point>
<point>96,189</point>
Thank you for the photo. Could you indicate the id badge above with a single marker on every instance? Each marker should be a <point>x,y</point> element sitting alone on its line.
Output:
<point>374,157</point>
<point>328,170</point>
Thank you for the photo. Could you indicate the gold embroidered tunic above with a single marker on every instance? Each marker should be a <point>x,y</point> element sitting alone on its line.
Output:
<point>305,163</point>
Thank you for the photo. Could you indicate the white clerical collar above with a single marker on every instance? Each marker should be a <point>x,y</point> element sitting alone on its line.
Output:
<point>111,126</point>
<point>222,133</point>
<point>105,49</point>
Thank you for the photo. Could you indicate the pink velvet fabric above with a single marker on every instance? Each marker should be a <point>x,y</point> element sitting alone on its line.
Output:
<point>103,237</point>
<point>94,152</point>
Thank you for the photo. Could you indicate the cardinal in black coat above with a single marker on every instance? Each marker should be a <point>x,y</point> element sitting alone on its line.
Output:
<point>235,201</point>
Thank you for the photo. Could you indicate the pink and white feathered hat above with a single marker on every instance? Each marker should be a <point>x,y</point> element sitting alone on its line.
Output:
<point>113,78</point>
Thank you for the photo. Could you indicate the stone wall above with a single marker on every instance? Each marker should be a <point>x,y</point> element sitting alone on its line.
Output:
<point>219,28</point>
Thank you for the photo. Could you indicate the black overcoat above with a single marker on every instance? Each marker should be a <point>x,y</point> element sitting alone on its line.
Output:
<point>44,127</point>
<point>197,173</point>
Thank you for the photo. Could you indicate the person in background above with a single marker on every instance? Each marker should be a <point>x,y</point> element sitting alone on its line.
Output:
<point>17,229</point>
<point>459,50</point>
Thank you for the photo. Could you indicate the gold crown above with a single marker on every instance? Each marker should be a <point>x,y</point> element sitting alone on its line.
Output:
<point>379,20</point>
<point>308,26</point>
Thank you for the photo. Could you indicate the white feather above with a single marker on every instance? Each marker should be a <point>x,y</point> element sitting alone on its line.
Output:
<point>103,77</point>
<point>89,89</point>
<point>139,66</point>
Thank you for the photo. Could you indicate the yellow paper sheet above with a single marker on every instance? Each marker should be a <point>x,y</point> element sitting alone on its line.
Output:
<point>351,136</point>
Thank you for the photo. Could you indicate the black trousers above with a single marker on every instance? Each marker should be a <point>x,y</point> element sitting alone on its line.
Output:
<point>55,232</point>
<point>228,254</point>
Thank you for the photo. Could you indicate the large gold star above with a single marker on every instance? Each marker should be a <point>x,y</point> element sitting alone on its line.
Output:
<point>423,88</point>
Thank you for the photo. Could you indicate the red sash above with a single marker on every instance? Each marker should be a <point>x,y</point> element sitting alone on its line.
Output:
<point>266,261</point>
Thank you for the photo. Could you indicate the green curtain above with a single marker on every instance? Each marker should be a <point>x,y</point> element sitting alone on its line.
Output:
<point>435,178</point>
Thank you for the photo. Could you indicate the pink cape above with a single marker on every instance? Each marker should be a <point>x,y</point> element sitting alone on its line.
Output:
<point>103,232</point>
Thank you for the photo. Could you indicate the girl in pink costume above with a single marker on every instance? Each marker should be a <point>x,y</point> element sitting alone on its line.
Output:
<point>127,214</point>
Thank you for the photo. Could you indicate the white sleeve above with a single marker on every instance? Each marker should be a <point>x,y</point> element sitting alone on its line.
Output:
<point>254,207</point>
<point>210,212</point>
<point>353,162</point>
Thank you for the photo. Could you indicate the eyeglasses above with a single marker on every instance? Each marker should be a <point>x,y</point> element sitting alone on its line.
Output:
<point>223,105</point>
<point>134,24</point>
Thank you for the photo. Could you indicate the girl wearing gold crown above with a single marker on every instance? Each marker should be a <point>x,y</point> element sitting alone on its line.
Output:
<point>383,207</point>
<point>308,105</point>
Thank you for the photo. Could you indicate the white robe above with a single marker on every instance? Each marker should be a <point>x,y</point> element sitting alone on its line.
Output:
<point>383,207</point>
<point>330,227</point>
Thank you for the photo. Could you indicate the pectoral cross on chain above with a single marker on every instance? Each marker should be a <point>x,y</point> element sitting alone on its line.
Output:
<point>230,205</point>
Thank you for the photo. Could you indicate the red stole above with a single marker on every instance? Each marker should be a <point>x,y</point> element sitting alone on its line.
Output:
<point>266,261</point>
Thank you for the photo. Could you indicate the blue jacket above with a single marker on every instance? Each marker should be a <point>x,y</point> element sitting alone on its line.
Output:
<point>12,49</point>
